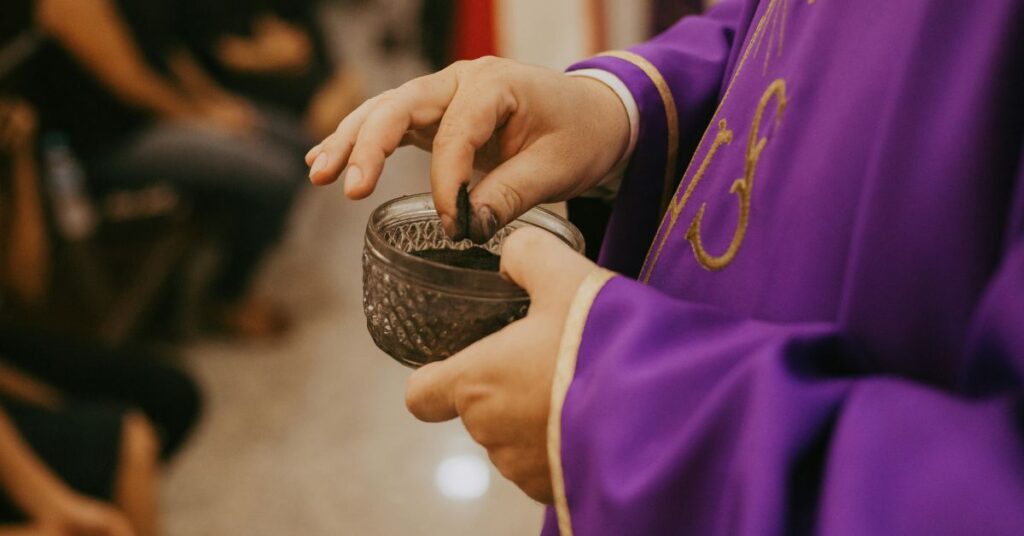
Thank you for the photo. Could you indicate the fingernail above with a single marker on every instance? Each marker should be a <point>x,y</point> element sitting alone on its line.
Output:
<point>312,151</point>
<point>318,164</point>
<point>354,176</point>
<point>483,226</point>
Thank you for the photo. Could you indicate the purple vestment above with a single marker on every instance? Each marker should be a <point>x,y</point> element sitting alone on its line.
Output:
<point>826,330</point>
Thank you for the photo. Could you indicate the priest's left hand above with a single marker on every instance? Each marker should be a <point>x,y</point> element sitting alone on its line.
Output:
<point>501,385</point>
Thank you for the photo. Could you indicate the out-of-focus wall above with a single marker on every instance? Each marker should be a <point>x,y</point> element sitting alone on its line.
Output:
<point>544,32</point>
<point>556,33</point>
<point>628,22</point>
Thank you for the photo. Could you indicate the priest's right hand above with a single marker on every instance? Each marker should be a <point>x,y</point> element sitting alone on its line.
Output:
<point>538,135</point>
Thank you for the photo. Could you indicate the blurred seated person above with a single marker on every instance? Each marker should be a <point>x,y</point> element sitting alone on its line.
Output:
<point>161,390</point>
<point>80,452</point>
<point>272,51</point>
<point>81,429</point>
<point>77,471</point>
<point>58,374</point>
<point>137,109</point>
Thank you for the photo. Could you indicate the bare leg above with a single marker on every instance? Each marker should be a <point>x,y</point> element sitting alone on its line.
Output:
<point>135,489</point>
<point>28,262</point>
<point>252,317</point>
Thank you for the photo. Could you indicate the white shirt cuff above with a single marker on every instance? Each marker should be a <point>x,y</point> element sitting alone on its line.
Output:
<point>609,185</point>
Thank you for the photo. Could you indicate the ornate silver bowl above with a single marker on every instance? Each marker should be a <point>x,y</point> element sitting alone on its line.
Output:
<point>419,311</point>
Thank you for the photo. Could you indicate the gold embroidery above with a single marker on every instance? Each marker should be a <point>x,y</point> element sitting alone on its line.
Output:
<point>756,40</point>
<point>782,32</point>
<point>671,118</point>
<point>565,369</point>
<point>770,17</point>
<point>773,23</point>
<point>777,21</point>
<point>654,253</point>
<point>742,187</point>
<point>723,137</point>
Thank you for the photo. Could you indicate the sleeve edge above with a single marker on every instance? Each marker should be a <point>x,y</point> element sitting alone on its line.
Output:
<point>565,369</point>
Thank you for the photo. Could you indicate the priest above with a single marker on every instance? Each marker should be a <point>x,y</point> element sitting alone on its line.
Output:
<point>809,315</point>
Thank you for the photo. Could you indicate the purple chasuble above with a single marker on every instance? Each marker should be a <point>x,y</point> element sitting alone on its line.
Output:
<point>825,332</point>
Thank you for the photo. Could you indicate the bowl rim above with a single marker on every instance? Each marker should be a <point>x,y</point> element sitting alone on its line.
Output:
<point>478,284</point>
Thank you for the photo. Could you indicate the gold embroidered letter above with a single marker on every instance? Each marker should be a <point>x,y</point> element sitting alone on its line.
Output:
<point>723,137</point>
<point>743,186</point>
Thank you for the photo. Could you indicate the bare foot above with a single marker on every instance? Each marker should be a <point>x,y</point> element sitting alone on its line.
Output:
<point>252,318</point>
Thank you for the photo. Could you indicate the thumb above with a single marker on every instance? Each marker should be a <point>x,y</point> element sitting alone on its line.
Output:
<point>547,268</point>
<point>430,390</point>
<point>513,187</point>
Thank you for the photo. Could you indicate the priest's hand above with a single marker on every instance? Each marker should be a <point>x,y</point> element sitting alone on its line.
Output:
<point>501,385</point>
<point>539,135</point>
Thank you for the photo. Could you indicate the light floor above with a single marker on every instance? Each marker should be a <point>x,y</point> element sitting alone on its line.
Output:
<point>309,435</point>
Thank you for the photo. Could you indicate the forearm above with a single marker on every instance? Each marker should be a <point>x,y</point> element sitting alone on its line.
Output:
<point>27,480</point>
<point>192,78</point>
<point>28,257</point>
<point>93,32</point>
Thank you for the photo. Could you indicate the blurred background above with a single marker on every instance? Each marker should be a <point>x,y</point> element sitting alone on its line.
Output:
<point>182,343</point>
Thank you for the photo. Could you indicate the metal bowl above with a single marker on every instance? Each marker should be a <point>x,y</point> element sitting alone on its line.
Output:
<point>419,311</point>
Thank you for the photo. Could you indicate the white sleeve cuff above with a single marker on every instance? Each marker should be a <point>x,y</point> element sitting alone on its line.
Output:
<point>609,186</point>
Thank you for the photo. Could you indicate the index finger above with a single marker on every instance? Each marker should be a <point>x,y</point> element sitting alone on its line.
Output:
<point>374,130</point>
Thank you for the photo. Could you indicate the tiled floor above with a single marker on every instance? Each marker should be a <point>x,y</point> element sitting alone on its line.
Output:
<point>309,435</point>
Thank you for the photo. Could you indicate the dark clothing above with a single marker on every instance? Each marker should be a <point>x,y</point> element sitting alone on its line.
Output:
<point>245,185</point>
<point>80,443</point>
<point>665,13</point>
<point>591,217</point>
<point>437,21</point>
<point>17,18</point>
<point>203,24</point>
<point>71,100</point>
<point>15,24</point>
<point>90,375</point>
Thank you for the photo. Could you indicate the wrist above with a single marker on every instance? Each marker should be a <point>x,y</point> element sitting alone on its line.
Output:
<point>618,105</point>
<point>603,121</point>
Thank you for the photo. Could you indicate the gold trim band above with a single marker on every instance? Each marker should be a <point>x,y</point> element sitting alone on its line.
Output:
<point>671,118</point>
<point>565,369</point>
